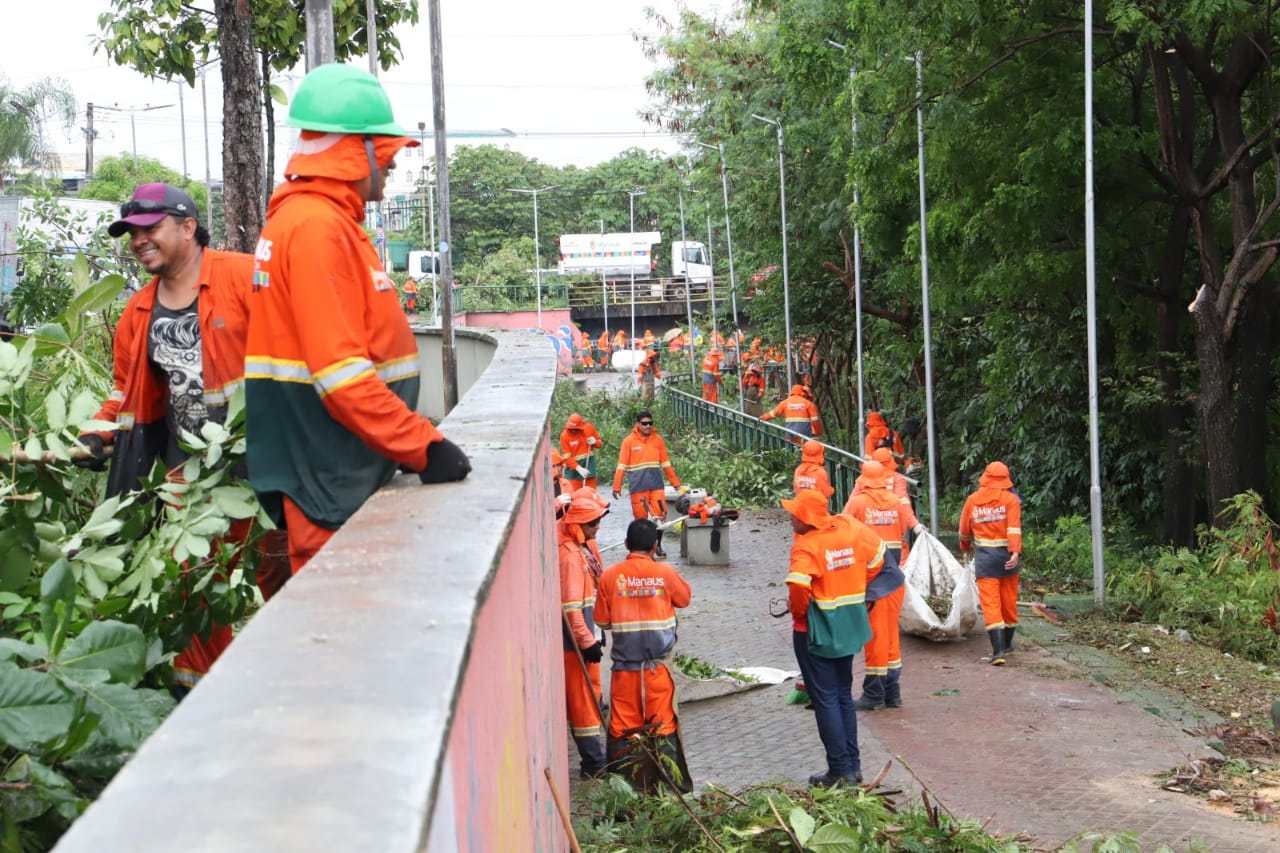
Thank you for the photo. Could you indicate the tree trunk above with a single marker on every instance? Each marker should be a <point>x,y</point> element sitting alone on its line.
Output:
<point>1213,405</point>
<point>241,126</point>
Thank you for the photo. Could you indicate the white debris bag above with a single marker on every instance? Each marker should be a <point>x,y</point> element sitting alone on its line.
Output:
<point>931,561</point>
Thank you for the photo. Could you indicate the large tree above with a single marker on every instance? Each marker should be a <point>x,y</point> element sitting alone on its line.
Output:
<point>167,39</point>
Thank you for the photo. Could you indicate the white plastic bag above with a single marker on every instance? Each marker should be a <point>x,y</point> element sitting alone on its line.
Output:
<point>930,559</point>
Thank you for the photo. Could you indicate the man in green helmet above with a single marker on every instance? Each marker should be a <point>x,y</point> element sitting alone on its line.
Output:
<point>331,368</point>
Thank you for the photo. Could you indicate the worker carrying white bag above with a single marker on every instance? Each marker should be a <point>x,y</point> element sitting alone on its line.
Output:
<point>932,570</point>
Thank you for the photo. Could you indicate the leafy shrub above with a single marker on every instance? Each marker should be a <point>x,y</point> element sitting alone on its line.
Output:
<point>1061,560</point>
<point>1227,594</point>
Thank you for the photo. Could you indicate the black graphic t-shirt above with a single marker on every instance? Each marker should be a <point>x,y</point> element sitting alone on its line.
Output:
<point>173,348</point>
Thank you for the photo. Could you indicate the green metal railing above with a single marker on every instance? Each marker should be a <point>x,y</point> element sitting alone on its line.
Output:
<point>747,432</point>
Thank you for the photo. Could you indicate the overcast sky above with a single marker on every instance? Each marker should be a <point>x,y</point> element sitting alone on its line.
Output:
<point>567,76</point>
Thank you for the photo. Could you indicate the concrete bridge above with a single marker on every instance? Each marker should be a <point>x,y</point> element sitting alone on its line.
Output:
<point>403,693</point>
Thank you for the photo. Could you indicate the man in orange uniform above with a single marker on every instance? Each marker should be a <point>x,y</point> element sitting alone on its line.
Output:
<point>879,508</point>
<point>177,358</point>
<point>649,339</point>
<point>991,520</point>
<point>579,442</point>
<point>811,473</point>
<point>584,350</point>
<point>643,459</point>
<point>580,567</point>
<point>711,380</point>
<point>798,412</point>
<point>753,383</point>
<point>604,349</point>
<point>637,602</point>
<point>410,295</point>
<point>620,340</point>
<point>830,559</point>
<point>331,372</point>
<point>880,435</point>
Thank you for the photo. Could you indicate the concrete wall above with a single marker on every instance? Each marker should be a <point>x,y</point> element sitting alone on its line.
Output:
<point>406,691</point>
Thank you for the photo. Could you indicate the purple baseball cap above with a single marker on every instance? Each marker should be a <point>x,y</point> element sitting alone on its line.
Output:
<point>150,204</point>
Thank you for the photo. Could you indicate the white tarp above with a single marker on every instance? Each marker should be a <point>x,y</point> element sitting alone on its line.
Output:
<point>930,559</point>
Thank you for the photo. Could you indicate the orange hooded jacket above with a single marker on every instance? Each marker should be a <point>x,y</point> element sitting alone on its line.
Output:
<point>331,372</point>
<point>992,515</point>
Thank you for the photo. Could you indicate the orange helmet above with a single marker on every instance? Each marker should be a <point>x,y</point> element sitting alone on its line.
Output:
<point>575,421</point>
<point>586,506</point>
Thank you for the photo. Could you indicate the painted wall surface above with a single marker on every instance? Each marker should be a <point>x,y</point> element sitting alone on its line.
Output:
<point>510,721</point>
<point>552,319</point>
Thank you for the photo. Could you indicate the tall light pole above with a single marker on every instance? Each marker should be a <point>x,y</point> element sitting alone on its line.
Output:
<point>208,180</point>
<point>786,274</point>
<point>688,286</point>
<point>631,256</point>
<point>857,243</point>
<point>604,296</point>
<point>711,283</point>
<point>924,302</point>
<point>1095,468</point>
<point>733,281</point>
<point>537,248</point>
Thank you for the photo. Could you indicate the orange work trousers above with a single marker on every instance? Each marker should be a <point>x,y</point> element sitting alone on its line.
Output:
<point>883,651</point>
<point>711,393</point>
<point>305,536</point>
<point>582,697</point>
<point>194,661</point>
<point>999,597</point>
<point>638,699</point>
<point>656,500</point>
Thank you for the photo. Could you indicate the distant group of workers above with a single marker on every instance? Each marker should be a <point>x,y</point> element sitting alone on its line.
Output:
<point>634,599</point>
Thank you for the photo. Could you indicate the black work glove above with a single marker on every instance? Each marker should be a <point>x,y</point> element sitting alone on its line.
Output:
<point>595,653</point>
<point>95,445</point>
<point>446,463</point>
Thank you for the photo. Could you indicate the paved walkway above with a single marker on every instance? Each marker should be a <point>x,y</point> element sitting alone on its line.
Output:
<point>1037,747</point>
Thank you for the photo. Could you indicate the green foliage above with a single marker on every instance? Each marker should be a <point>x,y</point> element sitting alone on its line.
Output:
<point>116,177</point>
<point>1061,559</point>
<point>696,668</point>
<point>98,595</point>
<point>771,817</point>
<point>1227,594</point>
<point>60,252</point>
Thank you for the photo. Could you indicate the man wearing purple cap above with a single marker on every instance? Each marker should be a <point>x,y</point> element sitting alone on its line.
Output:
<point>178,356</point>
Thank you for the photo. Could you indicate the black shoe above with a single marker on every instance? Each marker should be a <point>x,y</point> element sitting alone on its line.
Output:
<point>829,779</point>
<point>591,773</point>
<point>893,703</point>
<point>865,704</point>
<point>660,554</point>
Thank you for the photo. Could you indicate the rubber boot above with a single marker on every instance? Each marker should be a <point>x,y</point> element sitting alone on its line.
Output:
<point>872,694</point>
<point>660,554</point>
<point>893,689</point>
<point>997,647</point>
<point>591,749</point>
<point>1008,638</point>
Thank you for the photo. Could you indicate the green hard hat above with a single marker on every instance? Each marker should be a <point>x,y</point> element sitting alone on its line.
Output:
<point>343,99</point>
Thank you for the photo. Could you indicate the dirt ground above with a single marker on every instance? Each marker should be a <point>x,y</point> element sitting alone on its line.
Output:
<point>1246,779</point>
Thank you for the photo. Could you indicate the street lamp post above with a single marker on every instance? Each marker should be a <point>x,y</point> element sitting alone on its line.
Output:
<point>924,301</point>
<point>631,256</point>
<point>786,275</point>
<point>733,281</point>
<point>857,243</point>
<point>688,287</point>
<point>537,248</point>
<point>1095,466</point>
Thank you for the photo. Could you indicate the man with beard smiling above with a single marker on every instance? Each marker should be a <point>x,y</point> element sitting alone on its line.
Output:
<point>178,356</point>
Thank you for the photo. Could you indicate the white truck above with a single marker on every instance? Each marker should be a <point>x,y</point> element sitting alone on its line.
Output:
<point>616,258</point>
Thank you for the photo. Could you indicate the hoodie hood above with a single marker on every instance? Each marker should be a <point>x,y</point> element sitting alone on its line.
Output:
<point>812,452</point>
<point>996,476</point>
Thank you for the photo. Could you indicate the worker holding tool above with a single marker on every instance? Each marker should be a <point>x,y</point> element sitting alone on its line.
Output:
<point>711,380</point>
<point>811,473</point>
<point>579,443</point>
<point>177,357</point>
<point>637,603</point>
<point>580,569</point>
<point>643,459</point>
<point>331,371</point>
<point>991,527</point>
<point>879,434</point>
<point>753,383</point>
<point>879,508</point>
<point>830,559</point>
<point>798,412</point>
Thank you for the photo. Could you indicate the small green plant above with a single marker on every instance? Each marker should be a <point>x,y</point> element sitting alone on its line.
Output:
<point>696,668</point>
<point>1227,594</point>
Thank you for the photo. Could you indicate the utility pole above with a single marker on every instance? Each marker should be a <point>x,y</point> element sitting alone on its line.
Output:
<point>208,180</point>
<point>320,38</point>
<point>448,354</point>
<point>182,122</point>
<point>89,134</point>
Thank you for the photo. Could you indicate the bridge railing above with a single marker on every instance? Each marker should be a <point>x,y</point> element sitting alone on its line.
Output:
<point>747,432</point>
